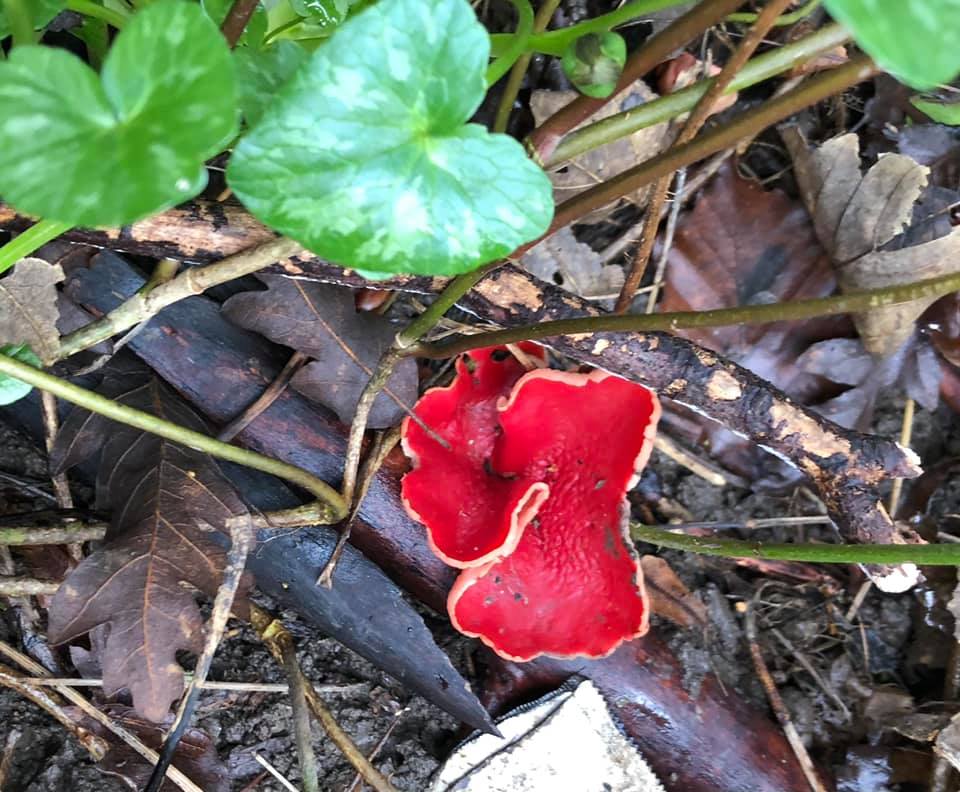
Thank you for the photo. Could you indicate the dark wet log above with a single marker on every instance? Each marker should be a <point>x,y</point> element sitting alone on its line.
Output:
<point>846,467</point>
<point>708,741</point>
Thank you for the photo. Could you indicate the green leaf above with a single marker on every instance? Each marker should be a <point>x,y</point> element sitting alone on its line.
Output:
<point>261,74</point>
<point>942,112</point>
<point>366,159</point>
<point>594,62</point>
<point>111,150</point>
<point>41,11</point>
<point>918,41</point>
<point>326,13</point>
<point>13,389</point>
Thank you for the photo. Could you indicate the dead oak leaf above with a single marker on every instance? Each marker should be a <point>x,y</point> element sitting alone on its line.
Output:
<point>858,217</point>
<point>28,307</point>
<point>165,502</point>
<point>322,321</point>
<point>575,266</point>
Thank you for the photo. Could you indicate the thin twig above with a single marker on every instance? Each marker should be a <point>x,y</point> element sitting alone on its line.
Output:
<point>275,636</point>
<point>237,19</point>
<point>78,531</point>
<point>675,204</point>
<point>906,435</point>
<point>851,302</point>
<point>358,779</point>
<point>9,751</point>
<point>265,399</point>
<point>383,445</point>
<point>701,112</point>
<point>681,456</point>
<point>96,746</point>
<point>233,687</point>
<point>192,281</point>
<point>776,703</point>
<point>301,720</point>
<point>544,139</point>
<point>242,541</point>
<point>27,587</point>
<point>173,774</point>
<point>275,773</point>
<point>330,506</point>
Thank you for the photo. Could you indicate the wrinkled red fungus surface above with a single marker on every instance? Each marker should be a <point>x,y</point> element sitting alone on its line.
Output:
<point>471,516</point>
<point>548,456</point>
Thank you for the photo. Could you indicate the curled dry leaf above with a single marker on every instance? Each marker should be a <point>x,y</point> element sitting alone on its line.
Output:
<point>166,501</point>
<point>322,322</point>
<point>669,597</point>
<point>575,266</point>
<point>593,167</point>
<point>196,754</point>
<point>858,217</point>
<point>28,307</point>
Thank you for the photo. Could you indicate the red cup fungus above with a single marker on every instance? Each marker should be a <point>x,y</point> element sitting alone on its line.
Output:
<point>528,497</point>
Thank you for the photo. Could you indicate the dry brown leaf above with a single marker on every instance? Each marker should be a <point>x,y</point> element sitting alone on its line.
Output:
<point>196,754</point>
<point>593,167</point>
<point>668,596</point>
<point>28,307</point>
<point>575,266</point>
<point>855,214</point>
<point>166,502</point>
<point>322,321</point>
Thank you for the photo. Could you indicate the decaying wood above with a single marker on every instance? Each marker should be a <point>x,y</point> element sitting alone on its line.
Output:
<point>698,741</point>
<point>847,467</point>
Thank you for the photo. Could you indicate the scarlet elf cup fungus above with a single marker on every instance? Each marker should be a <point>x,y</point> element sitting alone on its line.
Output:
<point>529,500</point>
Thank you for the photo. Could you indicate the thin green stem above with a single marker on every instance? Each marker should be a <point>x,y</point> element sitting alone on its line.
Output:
<point>783,20</point>
<point>336,507</point>
<point>925,554</point>
<point>459,286</point>
<point>745,126</point>
<point>760,68</point>
<point>30,240</point>
<point>20,21</point>
<point>519,70</point>
<point>517,46</point>
<point>853,302</point>
<point>95,11</point>
<point>556,41</point>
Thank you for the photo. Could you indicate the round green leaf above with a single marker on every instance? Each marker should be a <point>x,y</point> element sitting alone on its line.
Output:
<point>942,112</point>
<point>366,157</point>
<point>261,74</point>
<point>108,151</point>
<point>918,41</point>
<point>594,62</point>
<point>13,389</point>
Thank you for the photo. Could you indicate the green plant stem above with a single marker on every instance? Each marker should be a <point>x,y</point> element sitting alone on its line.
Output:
<point>94,11</point>
<point>544,139</point>
<point>783,20</point>
<point>515,80</point>
<point>336,509</point>
<point>517,46</point>
<point>459,286</point>
<point>68,533</point>
<point>556,41</point>
<point>853,302</point>
<point>745,126</point>
<point>21,23</point>
<point>760,68</point>
<point>925,554</point>
<point>34,237</point>
<point>195,280</point>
